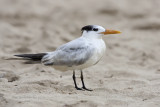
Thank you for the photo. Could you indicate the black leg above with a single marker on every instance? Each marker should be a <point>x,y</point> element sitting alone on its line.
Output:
<point>74,79</point>
<point>83,85</point>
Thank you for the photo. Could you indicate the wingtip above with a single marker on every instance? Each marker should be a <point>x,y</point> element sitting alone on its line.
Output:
<point>19,55</point>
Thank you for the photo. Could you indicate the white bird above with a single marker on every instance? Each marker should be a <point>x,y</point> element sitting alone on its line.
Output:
<point>77,54</point>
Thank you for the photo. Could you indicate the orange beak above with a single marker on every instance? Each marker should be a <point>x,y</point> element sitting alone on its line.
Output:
<point>110,32</point>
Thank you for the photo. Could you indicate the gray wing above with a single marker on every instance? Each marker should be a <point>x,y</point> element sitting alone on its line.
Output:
<point>76,52</point>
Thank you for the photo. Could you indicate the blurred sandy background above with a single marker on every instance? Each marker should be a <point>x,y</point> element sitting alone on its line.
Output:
<point>127,76</point>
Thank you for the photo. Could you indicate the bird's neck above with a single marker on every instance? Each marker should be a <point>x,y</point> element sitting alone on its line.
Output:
<point>91,36</point>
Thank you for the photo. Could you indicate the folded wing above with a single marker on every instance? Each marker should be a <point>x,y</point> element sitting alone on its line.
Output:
<point>76,52</point>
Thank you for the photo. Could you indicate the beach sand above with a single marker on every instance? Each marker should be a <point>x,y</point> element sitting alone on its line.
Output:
<point>127,76</point>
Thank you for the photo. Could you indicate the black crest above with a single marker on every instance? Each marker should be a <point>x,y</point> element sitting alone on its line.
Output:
<point>87,28</point>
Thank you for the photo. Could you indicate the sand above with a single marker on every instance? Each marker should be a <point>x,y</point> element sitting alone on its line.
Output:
<point>127,76</point>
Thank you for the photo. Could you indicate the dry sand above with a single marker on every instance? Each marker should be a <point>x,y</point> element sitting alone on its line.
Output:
<point>127,76</point>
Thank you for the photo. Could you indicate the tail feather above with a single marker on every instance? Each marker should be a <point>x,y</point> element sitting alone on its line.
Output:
<point>34,57</point>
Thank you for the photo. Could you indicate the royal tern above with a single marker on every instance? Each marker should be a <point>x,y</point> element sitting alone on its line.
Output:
<point>77,54</point>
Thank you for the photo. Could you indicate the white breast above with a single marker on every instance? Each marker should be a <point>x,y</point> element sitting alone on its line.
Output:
<point>100,49</point>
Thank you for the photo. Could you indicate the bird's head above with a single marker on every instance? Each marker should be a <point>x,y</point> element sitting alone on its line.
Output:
<point>95,31</point>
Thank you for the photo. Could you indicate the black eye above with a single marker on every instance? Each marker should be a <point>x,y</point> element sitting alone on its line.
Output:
<point>95,29</point>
